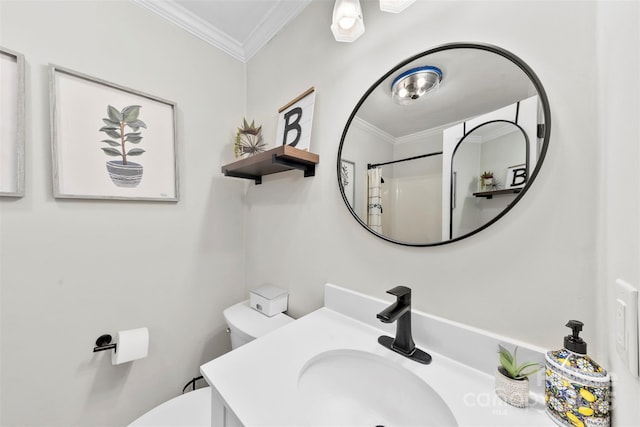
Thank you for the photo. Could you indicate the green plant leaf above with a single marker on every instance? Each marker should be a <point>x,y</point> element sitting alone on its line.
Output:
<point>505,353</point>
<point>133,138</point>
<point>114,114</point>
<point>507,361</point>
<point>137,124</point>
<point>130,113</point>
<point>111,123</point>
<point>527,369</point>
<point>510,364</point>
<point>109,131</point>
<point>507,364</point>
<point>111,152</point>
<point>111,142</point>
<point>135,152</point>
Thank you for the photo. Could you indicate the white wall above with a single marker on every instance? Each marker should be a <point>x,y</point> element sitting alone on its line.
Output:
<point>554,269</point>
<point>68,273</point>
<point>380,150</point>
<point>466,216</point>
<point>558,251</point>
<point>618,145</point>
<point>414,211</point>
<point>62,283</point>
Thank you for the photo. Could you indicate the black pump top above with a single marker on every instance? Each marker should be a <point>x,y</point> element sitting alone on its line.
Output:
<point>574,342</point>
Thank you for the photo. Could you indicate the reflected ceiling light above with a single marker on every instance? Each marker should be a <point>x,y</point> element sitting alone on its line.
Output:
<point>347,24</point>
<point>395,6</point>
<point>411,85</point>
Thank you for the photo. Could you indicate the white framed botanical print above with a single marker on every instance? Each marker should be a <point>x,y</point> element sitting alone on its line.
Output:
<point>111,142</point>
<point>347,179</point>
<point>12,118</point>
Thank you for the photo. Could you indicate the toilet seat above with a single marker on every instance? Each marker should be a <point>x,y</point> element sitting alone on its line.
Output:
<point>191,409</point>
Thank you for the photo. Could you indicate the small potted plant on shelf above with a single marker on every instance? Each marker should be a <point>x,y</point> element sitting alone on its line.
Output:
<point>486,180</point>
<point>512,380</point>
<point>249,140</point>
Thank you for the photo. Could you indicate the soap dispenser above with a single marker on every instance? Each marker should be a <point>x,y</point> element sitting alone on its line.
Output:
<point>576,388</point>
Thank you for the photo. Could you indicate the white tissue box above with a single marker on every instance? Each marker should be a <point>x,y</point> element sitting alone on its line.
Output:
<point>269,300</point>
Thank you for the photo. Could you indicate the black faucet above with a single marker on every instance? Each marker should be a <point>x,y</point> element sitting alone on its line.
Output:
<point>400,312</point>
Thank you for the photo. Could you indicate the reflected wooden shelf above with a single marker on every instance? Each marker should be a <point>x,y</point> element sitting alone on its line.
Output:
<point>490,194</point>
<point>276,160</point>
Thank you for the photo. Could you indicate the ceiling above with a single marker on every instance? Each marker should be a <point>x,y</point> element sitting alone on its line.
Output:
<point>242,27</point>
<point>238,27</point>
<point>474,82</point>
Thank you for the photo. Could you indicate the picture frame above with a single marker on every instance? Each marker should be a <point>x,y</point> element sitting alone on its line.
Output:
<point>100,129</point>
<point>295,120</point>
<point>517,176</point>
<point>348,180</point>
<point>12,119</point>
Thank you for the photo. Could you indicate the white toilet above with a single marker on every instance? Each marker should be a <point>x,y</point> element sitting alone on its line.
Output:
<point>246,324</point>
<point>192,409</point>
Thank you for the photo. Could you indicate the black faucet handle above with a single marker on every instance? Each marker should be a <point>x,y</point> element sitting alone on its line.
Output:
<point>401,292</point>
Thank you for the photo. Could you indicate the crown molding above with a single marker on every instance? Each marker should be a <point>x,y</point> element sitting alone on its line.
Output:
<point>188,21</point>
<point>264,31</point>
<point>373,130</point>
<point>421,135</point>
<point>272,23</point>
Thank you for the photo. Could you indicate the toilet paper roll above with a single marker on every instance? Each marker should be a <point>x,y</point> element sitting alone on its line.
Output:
<point>132,344</point>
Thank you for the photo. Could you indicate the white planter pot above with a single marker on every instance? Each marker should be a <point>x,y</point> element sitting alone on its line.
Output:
<point>514,392</point>
<point>126,176</point>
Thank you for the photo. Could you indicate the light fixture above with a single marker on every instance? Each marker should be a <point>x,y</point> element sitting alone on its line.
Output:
<point>395,6</point>
<point>411,85</point>
<point>347,24</point>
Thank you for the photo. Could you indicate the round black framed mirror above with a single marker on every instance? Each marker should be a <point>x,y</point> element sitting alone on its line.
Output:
<point>444,144</point>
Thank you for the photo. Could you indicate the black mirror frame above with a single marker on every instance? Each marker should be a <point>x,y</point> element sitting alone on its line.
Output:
<point>546,132</point>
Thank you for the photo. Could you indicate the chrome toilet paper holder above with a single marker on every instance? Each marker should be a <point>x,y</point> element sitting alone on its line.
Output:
<point>104,343</point>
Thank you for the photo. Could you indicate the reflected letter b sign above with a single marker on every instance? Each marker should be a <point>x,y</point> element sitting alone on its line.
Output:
<point>516,176</point>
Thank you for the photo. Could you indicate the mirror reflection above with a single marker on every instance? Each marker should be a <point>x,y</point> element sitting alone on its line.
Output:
<point>490,161</point>
<point>453,155</point>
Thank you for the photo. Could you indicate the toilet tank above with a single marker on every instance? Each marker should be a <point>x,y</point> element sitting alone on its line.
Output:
<point>246,324</point>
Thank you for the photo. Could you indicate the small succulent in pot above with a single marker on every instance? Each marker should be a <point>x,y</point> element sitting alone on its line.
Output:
<point>486,175</point>
<point>509,365</point>
<point>512,379</point>
<point>486,180</point>
<point>249,140</point>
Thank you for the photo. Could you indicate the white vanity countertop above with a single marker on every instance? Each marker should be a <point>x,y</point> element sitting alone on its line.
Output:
<point>259,380</point>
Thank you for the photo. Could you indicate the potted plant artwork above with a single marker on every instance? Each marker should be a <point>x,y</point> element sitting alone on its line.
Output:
<point>512,379</point>
<point>123,129</point>
<point>249,140</point>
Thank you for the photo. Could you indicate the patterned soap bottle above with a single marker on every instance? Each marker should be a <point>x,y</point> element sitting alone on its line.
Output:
<point>576,388</point>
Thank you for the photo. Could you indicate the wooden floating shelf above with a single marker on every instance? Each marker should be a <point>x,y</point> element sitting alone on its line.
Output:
<point>279,159</point>
<point>490,194</point>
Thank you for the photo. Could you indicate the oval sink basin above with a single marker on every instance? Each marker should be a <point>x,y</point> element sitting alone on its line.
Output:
<point>356,388</point>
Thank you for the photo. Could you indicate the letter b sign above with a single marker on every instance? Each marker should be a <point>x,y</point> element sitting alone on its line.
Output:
<point>294,122</point>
